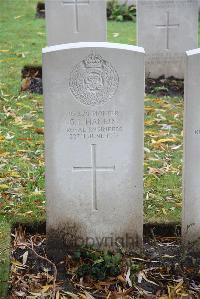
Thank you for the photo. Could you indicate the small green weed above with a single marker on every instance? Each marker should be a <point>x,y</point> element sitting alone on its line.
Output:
<point>98,264</point>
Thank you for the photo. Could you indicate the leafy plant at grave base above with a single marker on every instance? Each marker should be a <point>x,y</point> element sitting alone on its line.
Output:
<point>120,12</point>
<point>134,269</point>
<point>98,264</point>
<point>160,88</point>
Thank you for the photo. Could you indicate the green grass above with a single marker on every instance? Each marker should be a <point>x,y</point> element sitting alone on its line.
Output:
<point>22,37</point>
<point>124,33</point>
<point>22,147</point>
<point>4,257</point>
<point>163,159</point>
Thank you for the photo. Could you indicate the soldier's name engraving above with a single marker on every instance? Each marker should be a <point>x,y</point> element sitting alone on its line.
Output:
<point>93,124</point>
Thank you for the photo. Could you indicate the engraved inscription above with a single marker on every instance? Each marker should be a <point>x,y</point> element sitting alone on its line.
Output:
<point>197,131</point>
<point>93,125</point>
<point>164,58</point>
<point>167,27</point>
<point>76,4</point>
<point>94,81</point>
<point>94,169</point>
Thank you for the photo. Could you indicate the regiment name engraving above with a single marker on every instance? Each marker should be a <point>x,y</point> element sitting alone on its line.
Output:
<point>93,124</point>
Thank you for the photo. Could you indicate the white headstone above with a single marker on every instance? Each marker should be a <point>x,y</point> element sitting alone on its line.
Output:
<point>191,186</point>
<point>69,21</point>
<point>166,29</point>
<point>94,94</point>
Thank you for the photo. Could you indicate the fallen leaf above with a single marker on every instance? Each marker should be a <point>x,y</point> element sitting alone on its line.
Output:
<point>41,33</point>
<point>88,295</point>
<point>7,59</point>
<point>141,276</point>
<point>121,278</point>
<point>28,212</point>
<point>20,293</point>
<point>164,211</point>
<point>24,258</point>
<point>25,84</point>
<point>149,108</point>
<point>17,17</point>
<point>40,120</point>
<point>39,130</point>
<point>46,288</point>
<point>4,186</point>
<point>176,147</point>
<point>24,139</point>
<point>164,140</point>
<point>115,34</point>
<point>73,296</point>
<point>127,278</point>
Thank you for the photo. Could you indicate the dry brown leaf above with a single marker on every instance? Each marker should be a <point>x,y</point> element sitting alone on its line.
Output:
<point>25,84</point>
<point>39,130</point>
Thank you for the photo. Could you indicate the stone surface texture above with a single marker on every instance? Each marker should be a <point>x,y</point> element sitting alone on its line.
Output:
<point>69,21</point>
<point>191,178</point>
<point>94,97</point>
<point>166,29</point>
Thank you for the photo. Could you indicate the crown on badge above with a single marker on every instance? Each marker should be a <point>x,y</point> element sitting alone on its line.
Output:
<point>93,61</point>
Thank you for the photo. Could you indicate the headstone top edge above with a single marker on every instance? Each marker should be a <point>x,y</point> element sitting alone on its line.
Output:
<point>193,52</point>
<point>169,1</point>
<point>61,1</point>
<point>69,46</point>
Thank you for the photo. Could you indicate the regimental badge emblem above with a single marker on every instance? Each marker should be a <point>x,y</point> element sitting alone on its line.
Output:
<point>93,81</point>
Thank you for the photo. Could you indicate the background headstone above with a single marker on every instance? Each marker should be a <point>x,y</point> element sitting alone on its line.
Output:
<point>166,29</point>
<point>70,21</point>
<point>128,2</point>
<point>94,94</point>
<point>191,186</point>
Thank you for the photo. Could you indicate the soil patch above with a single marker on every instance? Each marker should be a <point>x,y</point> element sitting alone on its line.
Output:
<point>40,10</point>
<point>32,82</point>
<point>165,269</point>
<point>32,79</point>
<point>164,86</point>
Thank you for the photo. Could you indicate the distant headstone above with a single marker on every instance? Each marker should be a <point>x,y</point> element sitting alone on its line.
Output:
<point>191,186</point>
<point>70,21</point>
<point>166,29</point>
<point>94,145</point>
<point>128,2</point>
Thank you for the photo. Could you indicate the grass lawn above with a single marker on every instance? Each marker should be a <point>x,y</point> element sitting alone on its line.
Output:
<point>4,257</point>
<point>21,131</point>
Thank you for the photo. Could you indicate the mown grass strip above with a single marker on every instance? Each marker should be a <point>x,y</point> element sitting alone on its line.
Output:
<point>4,257</point>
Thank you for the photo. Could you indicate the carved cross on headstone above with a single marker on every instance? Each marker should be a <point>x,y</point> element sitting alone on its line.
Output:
<point>76,4</point>
<point>167,26</point>
<point>94,169</point>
